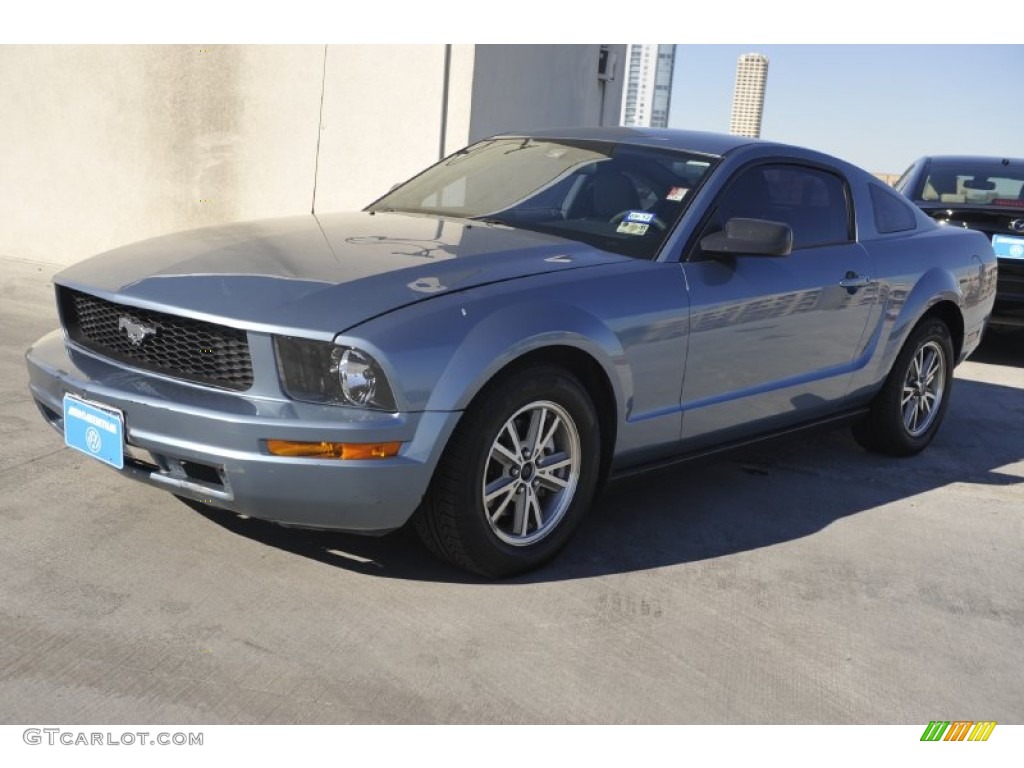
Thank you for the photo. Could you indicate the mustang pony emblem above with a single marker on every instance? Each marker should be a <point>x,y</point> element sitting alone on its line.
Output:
<point>137,332</point>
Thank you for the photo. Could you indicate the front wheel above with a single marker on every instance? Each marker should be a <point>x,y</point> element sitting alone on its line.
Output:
<point>517,475</point>
<point>907,412</point>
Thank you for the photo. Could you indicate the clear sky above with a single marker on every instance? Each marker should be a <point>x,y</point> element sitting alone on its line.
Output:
<point>877,106</point>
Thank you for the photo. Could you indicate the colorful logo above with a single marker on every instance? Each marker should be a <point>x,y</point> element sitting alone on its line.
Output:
<point>958,730</point>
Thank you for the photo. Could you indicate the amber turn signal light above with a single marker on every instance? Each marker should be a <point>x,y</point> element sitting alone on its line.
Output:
<point>333,450</point>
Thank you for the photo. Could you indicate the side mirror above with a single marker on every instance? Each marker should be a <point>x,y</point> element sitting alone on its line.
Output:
<point>750,237</point>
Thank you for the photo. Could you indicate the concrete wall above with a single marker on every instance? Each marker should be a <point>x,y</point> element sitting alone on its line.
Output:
<point>516,87</point>
<point>104,145</point>
<point>382,120</point>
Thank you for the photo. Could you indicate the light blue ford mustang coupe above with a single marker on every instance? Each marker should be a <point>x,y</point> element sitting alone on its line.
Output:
<point>481,348</point>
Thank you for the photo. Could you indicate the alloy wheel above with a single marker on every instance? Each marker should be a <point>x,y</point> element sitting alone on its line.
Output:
<point>531,473</point>
<point>923,388</point>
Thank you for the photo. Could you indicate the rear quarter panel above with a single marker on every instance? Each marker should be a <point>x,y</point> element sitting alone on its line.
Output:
<point>914,272</point>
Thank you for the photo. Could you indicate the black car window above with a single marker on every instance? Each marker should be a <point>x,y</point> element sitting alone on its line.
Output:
<point>892,214</point>
<point>811,201</point>
<point>973,183</point>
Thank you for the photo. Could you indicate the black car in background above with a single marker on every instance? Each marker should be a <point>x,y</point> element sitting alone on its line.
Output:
<point>983,193</point>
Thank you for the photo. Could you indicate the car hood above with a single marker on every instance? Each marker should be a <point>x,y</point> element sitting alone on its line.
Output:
<point>319,274</point>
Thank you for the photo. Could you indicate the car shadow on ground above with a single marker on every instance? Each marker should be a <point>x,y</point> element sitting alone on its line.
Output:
<point>776,493</point>
<point>1001,347</point>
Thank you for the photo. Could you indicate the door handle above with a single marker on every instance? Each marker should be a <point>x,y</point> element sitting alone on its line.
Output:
<point>853,281</point>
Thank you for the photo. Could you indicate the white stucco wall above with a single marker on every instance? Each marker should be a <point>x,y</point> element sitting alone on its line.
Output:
<point>381,120</point>
<point>105,145</point>
<point>518,87</point>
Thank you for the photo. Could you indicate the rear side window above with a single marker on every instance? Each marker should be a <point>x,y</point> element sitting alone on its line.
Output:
<point>892,214</point>
<point>812,201</point>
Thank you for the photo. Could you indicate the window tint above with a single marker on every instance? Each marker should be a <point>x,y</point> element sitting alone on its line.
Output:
<point>813,202</point>
<point>892,214</point>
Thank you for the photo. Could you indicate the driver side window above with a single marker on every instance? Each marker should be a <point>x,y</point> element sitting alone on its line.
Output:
<point>813,202</point>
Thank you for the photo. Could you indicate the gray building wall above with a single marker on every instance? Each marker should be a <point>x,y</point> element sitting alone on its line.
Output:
<point>104,145</point>
<point>516,87</point>
<point>661,103</point>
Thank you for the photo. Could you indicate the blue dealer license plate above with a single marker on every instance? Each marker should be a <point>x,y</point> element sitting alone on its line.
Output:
<point>1008,247</point>
<point>95,431</point>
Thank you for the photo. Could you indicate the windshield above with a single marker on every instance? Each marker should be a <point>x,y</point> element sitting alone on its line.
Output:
<point>974,183</point>
<point>618,197</point>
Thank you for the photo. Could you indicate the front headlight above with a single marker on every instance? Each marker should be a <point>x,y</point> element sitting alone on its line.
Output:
<point>322,372</point>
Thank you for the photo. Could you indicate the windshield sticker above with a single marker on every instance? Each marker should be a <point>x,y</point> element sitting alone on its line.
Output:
<point>640,217</point>
<point>676,194</point>
<point>632,228</point>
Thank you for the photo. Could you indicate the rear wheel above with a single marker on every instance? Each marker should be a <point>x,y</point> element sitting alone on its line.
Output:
<point>907,412</point>
<point>517,475</point>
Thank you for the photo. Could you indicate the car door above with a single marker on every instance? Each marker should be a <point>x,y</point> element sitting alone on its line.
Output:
<point>772,339</point>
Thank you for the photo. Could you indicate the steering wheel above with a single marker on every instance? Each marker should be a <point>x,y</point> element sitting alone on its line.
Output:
<point>618,217</point>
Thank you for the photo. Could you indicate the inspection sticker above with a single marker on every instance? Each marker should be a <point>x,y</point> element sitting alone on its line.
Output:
<point>1008,247</point>
<point>632,228</point>
<point>676,194</point>
<point>640,217</point>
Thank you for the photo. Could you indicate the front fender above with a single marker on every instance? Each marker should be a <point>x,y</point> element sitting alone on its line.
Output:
<point>630,319</point>
<point>518,329</point>
<point>439,354</point>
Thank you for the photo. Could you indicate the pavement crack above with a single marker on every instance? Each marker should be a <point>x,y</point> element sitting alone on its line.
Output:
<point>5,470</point>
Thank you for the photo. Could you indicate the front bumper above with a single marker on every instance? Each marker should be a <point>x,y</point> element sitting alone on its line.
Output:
<point>210,445</point>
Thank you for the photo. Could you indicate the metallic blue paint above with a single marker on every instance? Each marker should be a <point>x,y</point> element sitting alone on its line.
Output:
<point>697,352</point>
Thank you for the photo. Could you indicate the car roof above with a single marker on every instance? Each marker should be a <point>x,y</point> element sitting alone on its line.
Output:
<point>702,142</point>
<point>973,160</point>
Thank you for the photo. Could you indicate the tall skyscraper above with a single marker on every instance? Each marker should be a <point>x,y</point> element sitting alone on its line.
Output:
<point>648,85</point>
<point>748,98</point>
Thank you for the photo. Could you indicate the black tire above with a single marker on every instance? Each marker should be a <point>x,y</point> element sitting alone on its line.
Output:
<point>898,424</point>
<point>455,521</point>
